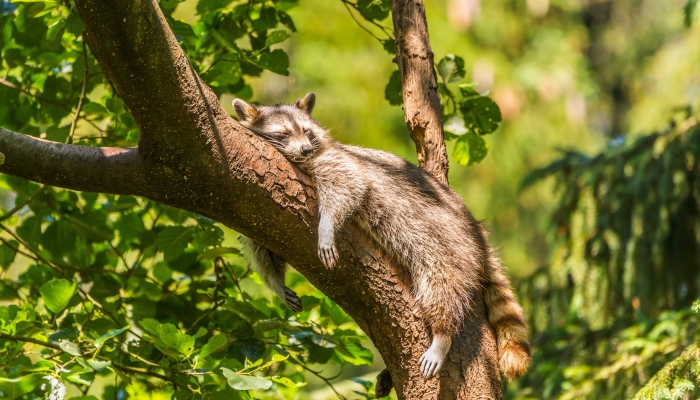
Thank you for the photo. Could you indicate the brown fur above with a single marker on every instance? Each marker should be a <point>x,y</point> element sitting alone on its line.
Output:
<point>415,218</point>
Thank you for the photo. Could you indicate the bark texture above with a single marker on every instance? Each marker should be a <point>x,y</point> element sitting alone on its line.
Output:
<point>193,156</point>
<point>419,86</point>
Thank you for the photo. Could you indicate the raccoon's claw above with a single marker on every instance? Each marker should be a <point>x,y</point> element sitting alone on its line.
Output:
<point>328,255</point>
<point>384,384</point>
<point>431,363</point>
<point>291,300</point>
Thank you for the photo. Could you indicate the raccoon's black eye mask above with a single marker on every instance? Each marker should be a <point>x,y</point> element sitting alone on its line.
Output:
<point>276,137</point>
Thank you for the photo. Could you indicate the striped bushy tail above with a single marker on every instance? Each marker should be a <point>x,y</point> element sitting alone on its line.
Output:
<point>506,317</point>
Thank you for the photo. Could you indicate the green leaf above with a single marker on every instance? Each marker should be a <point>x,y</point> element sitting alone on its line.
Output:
<point>376,10</point>
<point>170,4</point>
<point>283,380</point>
<point>207,236</point>
<point>393,91</point>
<point>57,294</point>
<point>276,61</point>
<point>481,114</point>
<point>114,332</point>
<point>173,240</point>
<point>56,30</point>
<point>82,378</point>
<point>331,309</point>
<point>365,383</point>
<point>275,37</point>
<point>168,337</point>
<point>7,254</point>
<point>355,354</point>
<point>70,348</point>
<point>690,13</point>
<point>99,365</point>
<point>264,19</point>
<point>245,382</point>
<point>389,46</point>
<point>467,90</point>
<point>179,341</point>
<point>470,149</point>
<point>95,109</point>
<point>215,342</point>
<point>162,272</point>
<point>218,252</point>
<point>59,238</point>
<point>451,68</point>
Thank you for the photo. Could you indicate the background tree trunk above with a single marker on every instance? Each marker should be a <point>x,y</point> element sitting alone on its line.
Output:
<point>419,86</point>
<point>193,156</point>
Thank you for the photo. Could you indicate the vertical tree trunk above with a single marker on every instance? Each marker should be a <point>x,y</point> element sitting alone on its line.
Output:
<point>419,82</point>
<point>193,156</point>
<point>471,369</point>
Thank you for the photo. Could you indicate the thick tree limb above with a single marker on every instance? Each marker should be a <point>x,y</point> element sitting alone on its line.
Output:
<point>94,169</point>
<point>140,55</point>
<point>195,157</point>
<point>419,82</point>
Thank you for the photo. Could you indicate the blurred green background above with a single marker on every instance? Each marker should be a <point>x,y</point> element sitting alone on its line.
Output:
<point>590,186</point>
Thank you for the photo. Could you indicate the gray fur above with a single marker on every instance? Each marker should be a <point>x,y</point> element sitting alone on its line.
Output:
<point>271,269</point>
<point>414,218</point>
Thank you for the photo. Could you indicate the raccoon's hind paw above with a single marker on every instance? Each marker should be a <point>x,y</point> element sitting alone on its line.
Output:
<point>431,363</point>
<point>328,255</point>
<point>384,384</point>
<point>291,300</point>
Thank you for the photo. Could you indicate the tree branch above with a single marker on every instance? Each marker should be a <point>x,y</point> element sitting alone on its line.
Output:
<point>93,169</point>
<point>141,56</point>
<point>193,156</point>
<point>419,82</point>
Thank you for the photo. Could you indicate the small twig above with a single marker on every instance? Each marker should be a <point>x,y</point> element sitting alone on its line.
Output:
<point>383,28</point>
<point>115,365</point>
<point>82,94</point>
<point>30,340</point>
<point>347,5</point>
<point>47,101</point>
<point>77,269</point>
<point>318,375</point>
<point>105,237</point>
<point>37,256</point>
<point>21,206</point>
<point>220,281</point>
<point>143,372</point>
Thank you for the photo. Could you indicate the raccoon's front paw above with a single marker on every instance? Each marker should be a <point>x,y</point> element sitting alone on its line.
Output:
<point>328,255</point>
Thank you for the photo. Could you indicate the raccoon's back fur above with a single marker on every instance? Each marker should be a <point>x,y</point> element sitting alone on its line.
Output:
<point>416,219</point>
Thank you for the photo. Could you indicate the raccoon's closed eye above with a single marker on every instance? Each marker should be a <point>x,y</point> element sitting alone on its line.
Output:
<point>278,135</point>
<point>308,133</point>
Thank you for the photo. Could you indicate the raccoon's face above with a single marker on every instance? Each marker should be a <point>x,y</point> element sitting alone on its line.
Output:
<point>288,127</point>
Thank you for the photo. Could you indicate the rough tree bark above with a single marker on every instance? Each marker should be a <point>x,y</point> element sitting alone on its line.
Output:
<point>419,86</point>
<point>193,156</point>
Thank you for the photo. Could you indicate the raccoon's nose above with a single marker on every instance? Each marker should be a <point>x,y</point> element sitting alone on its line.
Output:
<point>306,150</point>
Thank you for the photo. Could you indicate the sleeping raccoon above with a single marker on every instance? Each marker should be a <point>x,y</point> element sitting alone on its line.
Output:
<point>412,216</point>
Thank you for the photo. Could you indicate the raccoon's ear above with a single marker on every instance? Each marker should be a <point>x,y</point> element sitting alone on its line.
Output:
<point>307,103</point>
<point>245,111</point>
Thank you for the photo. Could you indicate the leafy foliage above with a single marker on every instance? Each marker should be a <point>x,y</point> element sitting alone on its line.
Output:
<point>626,235</point>
<point>471,115</point>
<point>690,13</point>
<point>150,314</point>
<point>123,290</point>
